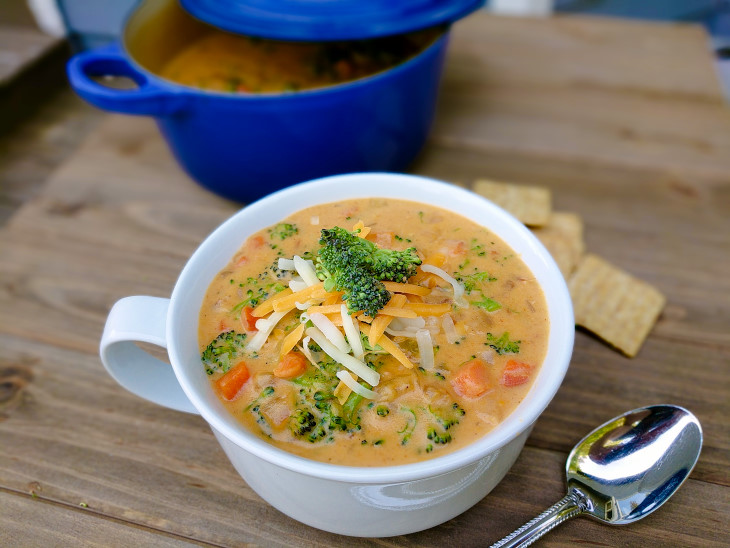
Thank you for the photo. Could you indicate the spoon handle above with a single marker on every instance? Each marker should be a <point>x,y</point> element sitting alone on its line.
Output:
<point>568,507</point>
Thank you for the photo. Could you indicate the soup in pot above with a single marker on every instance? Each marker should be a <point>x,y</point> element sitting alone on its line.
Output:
<point>373,332</point>
<point>230,63</point>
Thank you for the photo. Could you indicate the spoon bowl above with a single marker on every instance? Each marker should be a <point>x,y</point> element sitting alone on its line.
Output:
<point>623,470</point>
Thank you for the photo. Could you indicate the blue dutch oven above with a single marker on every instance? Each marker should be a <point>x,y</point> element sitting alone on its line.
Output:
<point>244,145</point>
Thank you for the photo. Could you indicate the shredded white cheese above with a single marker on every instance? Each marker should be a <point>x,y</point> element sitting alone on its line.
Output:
<point>304,347</point>
<point>408,333</point>
<point>487,355</point>
<point>297,284</point>
<point>449,329</point>
<point>355,386</point>
<point>441,273</point>
<point>353,333</point>
<point>413,324</point>
<point>425,348</point>
<point>314,219</point>
<point>285,264</point>
<point>358,367</point>
<point>265,326</point>
<point>329,330</point>
<point>306,270</point>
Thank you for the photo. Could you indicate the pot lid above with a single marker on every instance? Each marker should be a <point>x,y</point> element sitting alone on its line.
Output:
<point>322,20</point>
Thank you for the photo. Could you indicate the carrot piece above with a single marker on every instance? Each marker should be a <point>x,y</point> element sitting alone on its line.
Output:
<point>516,373</point>
<point>230,383</point>
<point>248,320</point>
<point>437,259</point>
<point>455,248</point>
<point>472,379</point>
<point>291,365</point>
<point>257,241</point>
<point>381,239</point>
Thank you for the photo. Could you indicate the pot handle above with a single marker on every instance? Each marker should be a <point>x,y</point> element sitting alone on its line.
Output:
<point>148,99</point>
<point>141,319</point>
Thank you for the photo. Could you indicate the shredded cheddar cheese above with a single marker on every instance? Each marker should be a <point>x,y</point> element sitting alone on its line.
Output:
<point>291,340</point>
<point>267,306</point>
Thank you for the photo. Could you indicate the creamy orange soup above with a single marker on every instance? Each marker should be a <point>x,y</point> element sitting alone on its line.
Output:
<point>449,356</point>
<point>226,62</point>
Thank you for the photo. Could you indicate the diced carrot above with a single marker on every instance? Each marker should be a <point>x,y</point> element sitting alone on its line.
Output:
<point>230,383</point>
<point>516,373</point>
<point>248,320</point>
<point>344,69</point>
<point>381,239</point>
<point>224,326</point>
<point>455,248</point>
<point>291,365</point>
<point>257,241</point>
<point>242,260</point>
<point>437,259</point>
<point>472,379</point>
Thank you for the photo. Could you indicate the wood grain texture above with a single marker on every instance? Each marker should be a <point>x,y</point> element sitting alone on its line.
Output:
<point>68,526</point>
<point>544,102</point>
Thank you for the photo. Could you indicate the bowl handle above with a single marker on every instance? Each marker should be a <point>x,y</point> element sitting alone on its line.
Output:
<point>141,319</point>
<point>148,99</point>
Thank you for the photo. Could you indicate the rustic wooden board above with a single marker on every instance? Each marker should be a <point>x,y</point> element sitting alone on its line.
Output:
<point>520,102</point>
<point>66,526</point>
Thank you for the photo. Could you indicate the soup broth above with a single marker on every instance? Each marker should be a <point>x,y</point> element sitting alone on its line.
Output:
<point>463,339</point>
<point>231,63</point>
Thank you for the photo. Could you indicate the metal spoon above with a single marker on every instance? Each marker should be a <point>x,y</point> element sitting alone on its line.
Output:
<point>623,470</point>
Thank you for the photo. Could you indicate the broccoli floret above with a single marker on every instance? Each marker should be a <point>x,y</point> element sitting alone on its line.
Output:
<point>301,422</point>
<point>220,353</point>
<point>410,426</point>
<point>283,231</point>
<point>503,344</point>
<point>358,267</point>
<point>436,437</point>
<point>448,416</point>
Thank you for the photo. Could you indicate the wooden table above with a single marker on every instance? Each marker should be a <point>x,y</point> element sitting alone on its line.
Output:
<point>624,122</point>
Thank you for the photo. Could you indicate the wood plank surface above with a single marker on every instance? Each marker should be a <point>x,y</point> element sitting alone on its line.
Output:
<point>536,101</point>
<point>67,526</point>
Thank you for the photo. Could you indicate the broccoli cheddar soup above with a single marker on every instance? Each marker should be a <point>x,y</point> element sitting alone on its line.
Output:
<point>225,62</point>
<point>373,332</point>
